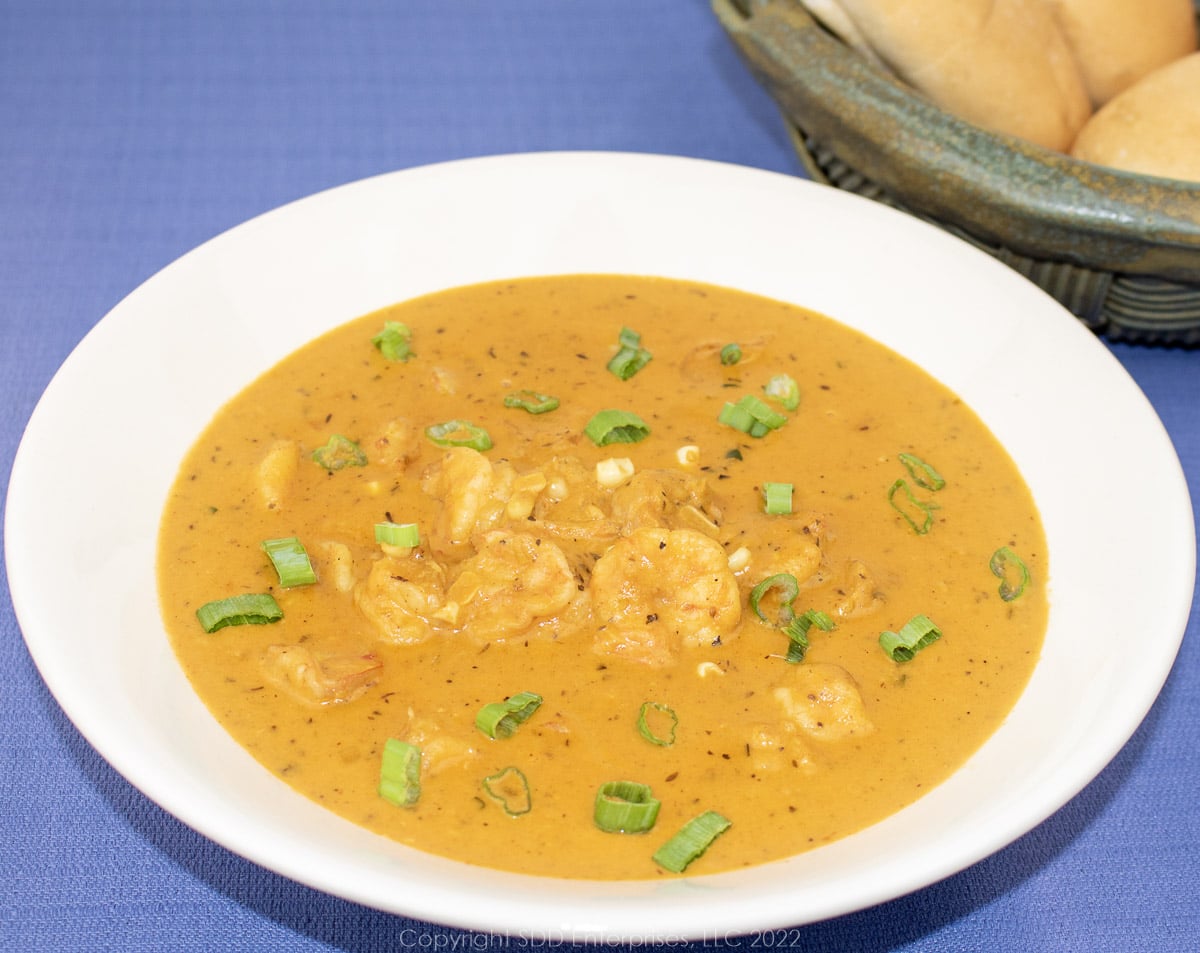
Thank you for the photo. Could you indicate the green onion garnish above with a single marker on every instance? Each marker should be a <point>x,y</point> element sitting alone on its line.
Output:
<point>291,562</point>
<point>340,452</point>
<point>788,588</point>
<point>917,633</point>
<point>693,839</point>
<point>459,433</point>
<point>662,731</point>
<point>394,341</point>
<point>502,719</point>
<point>400,773</point>
<point>1012,572</point>
<point>511,789</point>
<point>245,609</point>
<point>751,416</point>
<point>631,357</point>
<point>797,632</point>
<point>531,401</point>
<point>777,498</point>
<point>784,391</point>
<point>922,473</point>
<point>405,535</point>
<point>616,426</point>
<point>922,507</point>
<point>731,354</point>
<point>625,807</point>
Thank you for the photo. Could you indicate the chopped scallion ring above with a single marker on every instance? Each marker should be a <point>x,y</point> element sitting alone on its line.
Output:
<point>339,452</point>
<point>631,357</point>
<point>531,401</point>
<point>693,839</point>
<point>910,502</point>
<point>405,535</point>
<point>511,789</point>
<point>916,634</point>
<point>394,341</point>
<point>245,609</point>
<point>291,561</point>
<point>777,498</point>
<point>788,588</point>
<point>751,416</point>
<point>616,426</point>
<point>459,433</point>
<point>1012,572</point>
<point>502,719</point>
<point>400,773</point>
<point>656,723</point>
<point>784,391</point>
<point>731,354</point>
<point>625,807</point>
<point>922,473</point>
<point>797,632</point>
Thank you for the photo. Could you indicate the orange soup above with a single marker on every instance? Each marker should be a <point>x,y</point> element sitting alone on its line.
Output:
<point>539,574</point>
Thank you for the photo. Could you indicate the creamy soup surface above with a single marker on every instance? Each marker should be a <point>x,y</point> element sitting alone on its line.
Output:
<point>608,581</point>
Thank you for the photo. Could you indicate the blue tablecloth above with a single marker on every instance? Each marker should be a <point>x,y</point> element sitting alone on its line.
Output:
<point>132,130</point>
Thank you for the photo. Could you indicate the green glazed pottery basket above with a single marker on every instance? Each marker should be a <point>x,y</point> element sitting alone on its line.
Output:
<point>1120,251</point>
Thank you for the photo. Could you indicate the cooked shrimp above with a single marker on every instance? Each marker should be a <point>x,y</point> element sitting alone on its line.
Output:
<point>472,493</point>
<point>513,582</point>
<point>401,596</point>
<point>573,506</point>
<point>787,545</point>
<point>857,592</point>
<point>337,564</point>
<point>674,499</point>
<point>773,747</point>
<point>397,443</point>
<point>658,590</point>
<point>277,471</point>
<point>320,680</point>
<point>823,701</point>
<point>440,749</point>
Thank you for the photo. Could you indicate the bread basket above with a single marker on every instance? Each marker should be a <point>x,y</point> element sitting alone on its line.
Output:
<point>1120,251</point>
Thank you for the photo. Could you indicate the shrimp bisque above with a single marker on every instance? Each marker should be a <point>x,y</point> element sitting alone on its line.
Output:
<point>603,576</point>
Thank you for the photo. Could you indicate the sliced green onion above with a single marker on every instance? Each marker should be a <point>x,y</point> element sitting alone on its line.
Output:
<point>922,473</point>
<point>400,773</point>
<point>459,433</point>
<point>394,341</point>
<point>291,561</point>
<point>631,357</point>
<point>693,839</point>
<point>797,632</point>
<point>910,502</point>
<point>340,452</point>
<point>625,807</point>
<point>405,535</point>
<point>511,789</point>
<point>731,354</point>
<point>788,588</point>
<point>616,426</point>
<point>751,416</point>
<point>245,609</point>
<point>1007,565</point>
<point>502,719</point>
<point>917,633</point>
<point>784,391</point>
<point>531,401</point>
<point>777,498</point>
<point>662,731</point>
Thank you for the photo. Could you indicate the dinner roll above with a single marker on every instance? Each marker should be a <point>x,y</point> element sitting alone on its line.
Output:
<point>1001,64</point>
<point>1153,127</point>
<point>1117,42</point>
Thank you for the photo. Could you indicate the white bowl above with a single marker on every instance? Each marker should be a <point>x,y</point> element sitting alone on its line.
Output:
<point>103,445</point>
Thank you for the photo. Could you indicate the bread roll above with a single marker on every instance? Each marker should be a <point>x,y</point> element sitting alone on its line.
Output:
<point>1002,64</point>
<point>1117,42</point>
<point>1153,127</point>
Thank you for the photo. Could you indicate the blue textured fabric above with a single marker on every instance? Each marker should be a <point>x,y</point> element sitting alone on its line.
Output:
<point>132,131</point>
